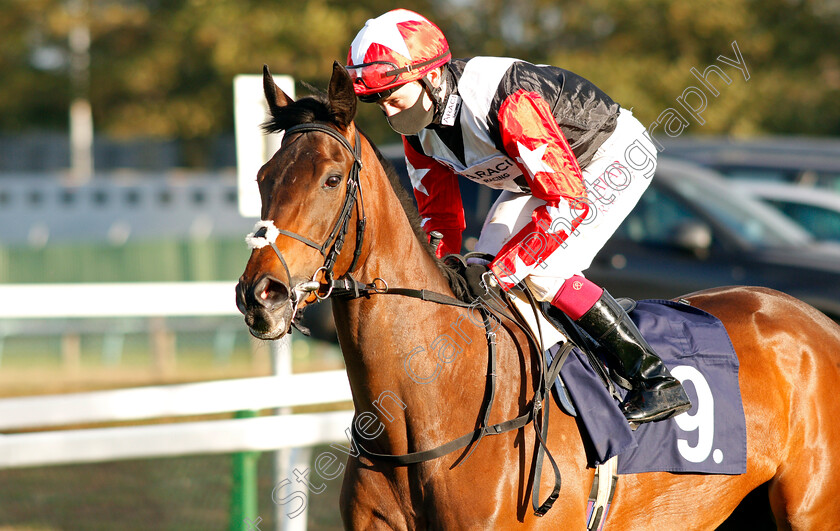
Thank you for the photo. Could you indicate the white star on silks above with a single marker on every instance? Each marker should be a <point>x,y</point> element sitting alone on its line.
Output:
<point>533,159</point>
<point>416,177</point>
<point>386,34</point>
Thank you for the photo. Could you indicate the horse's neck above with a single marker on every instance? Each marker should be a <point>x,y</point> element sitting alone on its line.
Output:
<point>393,254</point>
<point>378,332</point>
<point>393,251</point>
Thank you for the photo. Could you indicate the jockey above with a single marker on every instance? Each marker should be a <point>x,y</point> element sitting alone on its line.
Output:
<point>571,164</point>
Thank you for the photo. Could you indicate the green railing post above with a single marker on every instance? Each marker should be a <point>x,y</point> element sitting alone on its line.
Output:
<point>243,495</point>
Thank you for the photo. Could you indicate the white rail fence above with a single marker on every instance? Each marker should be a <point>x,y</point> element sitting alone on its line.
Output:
<point>67,446</point>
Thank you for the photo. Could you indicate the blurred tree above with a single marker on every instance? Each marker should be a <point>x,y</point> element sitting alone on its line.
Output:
<point>165,68</point>
<point>641,53</point>
<point>32,94</point>
<point>171,75</point>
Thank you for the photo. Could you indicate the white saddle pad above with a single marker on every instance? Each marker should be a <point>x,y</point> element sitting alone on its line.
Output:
<point>550,335</point>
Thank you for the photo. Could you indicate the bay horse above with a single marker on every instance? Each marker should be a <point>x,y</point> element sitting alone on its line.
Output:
<point>789,361</point>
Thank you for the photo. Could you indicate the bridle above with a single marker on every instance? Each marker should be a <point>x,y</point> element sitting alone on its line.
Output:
<point>349,287</point>
<point>339,231</point>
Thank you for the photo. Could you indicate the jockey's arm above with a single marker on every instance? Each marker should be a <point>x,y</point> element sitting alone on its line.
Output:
<point>532,138</point>
<point>438,199</point>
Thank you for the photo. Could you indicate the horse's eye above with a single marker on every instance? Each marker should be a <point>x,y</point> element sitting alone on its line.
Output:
<point>332,181</point>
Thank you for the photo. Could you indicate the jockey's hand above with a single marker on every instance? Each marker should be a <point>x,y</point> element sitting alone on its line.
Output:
<point>479,278</point>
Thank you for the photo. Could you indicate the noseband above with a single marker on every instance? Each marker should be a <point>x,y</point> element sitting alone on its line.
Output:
<point>339,230</point>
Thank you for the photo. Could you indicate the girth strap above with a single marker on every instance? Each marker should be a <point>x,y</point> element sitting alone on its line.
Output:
<point>348,287</point>
<point>468,438</point>
<point>455,444</point>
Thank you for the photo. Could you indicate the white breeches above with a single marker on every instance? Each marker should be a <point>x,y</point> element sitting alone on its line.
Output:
<point>615,179</point>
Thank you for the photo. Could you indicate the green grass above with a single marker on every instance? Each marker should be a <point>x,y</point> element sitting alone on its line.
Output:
<point>172,494</point>
<point>179,493</point>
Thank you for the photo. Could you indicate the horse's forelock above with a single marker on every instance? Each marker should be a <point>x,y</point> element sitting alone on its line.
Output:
<point>314,108</point>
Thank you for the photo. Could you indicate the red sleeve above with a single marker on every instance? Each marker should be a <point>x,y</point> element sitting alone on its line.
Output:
<point>532,138</point>
<point>438,198</point>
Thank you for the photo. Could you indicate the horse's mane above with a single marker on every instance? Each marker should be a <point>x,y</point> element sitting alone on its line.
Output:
<point>316,108</point>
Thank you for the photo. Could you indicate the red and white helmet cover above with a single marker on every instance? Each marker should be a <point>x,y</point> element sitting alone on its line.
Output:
<point>407,40</point>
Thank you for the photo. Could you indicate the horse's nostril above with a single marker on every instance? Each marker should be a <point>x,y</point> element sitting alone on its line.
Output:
<point>275,291</point>
<point>271,292</point>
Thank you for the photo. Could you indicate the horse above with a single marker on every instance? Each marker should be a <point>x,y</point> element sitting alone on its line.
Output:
<point>789,356</point>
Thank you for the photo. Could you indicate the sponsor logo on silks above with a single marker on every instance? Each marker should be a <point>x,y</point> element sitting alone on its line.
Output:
<point>453,104</point>
<point>496,172</point>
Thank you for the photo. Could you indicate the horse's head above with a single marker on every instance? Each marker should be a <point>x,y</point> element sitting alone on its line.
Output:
<point>309,204</point>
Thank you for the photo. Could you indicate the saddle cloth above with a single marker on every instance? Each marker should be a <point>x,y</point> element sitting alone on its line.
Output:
<point>709,438</point>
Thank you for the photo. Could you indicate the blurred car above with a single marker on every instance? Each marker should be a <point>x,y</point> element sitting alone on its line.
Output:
<point>816,210</point>
<point>693,229</point>
<point>809,162</point>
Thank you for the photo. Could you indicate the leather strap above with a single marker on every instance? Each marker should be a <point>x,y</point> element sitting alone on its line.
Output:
<point>542,394</point>
<point>473,437</point>
<point>439,451</point>
<point>339,230</point>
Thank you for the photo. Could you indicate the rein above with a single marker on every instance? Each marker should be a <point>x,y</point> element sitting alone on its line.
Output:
<point>348,287</point>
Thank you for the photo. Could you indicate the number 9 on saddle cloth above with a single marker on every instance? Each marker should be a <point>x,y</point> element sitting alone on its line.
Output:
<point>709,438</point>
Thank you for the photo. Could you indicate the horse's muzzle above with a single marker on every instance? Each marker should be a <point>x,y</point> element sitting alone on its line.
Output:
<point>266,305</point>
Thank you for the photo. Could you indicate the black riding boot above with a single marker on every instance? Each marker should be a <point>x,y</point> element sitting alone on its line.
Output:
<point>655,395</point>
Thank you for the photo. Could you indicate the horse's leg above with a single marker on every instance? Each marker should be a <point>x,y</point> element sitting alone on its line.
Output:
<point>367,500</point>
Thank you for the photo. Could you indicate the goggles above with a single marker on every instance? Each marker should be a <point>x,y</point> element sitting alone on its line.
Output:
<point>380,74</point>
<point>377,74</point>
<point>376,96</point>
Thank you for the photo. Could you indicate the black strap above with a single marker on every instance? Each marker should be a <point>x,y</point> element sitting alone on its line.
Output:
<point>333,133</point>
<point>282,261</point>
<point>542,437</point>
<point>455,444</point>
<point>361,223</point>
<point>349,288</point>
<point>429,296</point>
<point>491,384</point>
<point>307,241</point>
<point>541,400</point>
<point>473,437</point>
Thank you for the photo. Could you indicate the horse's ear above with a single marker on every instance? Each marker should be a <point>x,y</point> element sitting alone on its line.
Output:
<point>342,96</point>
<point>275,97</point>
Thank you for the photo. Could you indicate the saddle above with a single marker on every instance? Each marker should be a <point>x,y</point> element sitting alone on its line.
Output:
<point>548,326</point>
<point>550,331</point>
<point>694,343</point>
